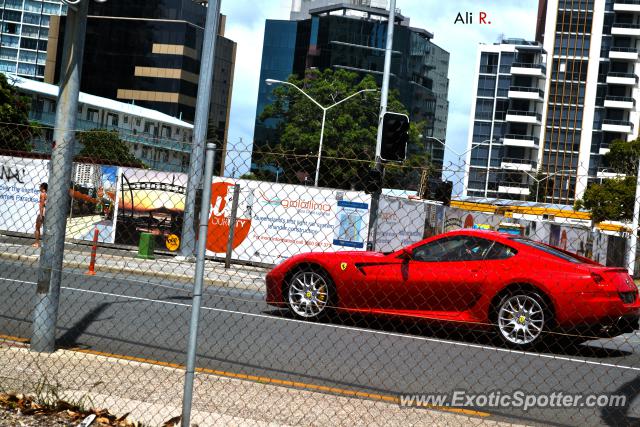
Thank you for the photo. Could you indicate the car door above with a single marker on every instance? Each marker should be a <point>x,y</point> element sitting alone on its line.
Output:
<point>446,274</point>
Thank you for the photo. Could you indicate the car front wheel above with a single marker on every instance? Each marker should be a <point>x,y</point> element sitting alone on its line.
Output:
<point>309,294</point>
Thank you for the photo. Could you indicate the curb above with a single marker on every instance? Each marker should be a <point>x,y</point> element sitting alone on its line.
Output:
<point>71,264</point>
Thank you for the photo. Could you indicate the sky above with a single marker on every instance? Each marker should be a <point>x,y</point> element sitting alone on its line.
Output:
<point>508,18</point>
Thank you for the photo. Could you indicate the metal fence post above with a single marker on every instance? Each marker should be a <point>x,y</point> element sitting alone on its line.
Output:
<point>232,225</point>
<point>203,100</point>
<point>45,313</point>
<point>633,242</point>
<point>197,288</point>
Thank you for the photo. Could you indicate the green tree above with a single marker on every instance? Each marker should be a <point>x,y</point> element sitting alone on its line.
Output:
<point>349,135</point>
<point>16,132</point>
<point>623,156</point>
<point>613,199</point>
<point>106,147</point>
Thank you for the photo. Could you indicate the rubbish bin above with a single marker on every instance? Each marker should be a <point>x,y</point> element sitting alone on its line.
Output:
<point>146,246</point>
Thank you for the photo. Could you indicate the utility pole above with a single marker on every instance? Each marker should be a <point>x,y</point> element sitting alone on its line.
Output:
<point>45,313</point>
<point>205,82</point>
<point>375,198</point>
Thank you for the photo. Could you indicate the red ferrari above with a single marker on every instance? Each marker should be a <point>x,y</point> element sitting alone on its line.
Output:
<point>522,288</point>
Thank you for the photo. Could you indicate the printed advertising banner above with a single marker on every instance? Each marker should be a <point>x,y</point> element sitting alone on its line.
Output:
<point>400,223</point>
<point>276,221</point>
<point>20,180</point>
<point>93,194</point>
<point>150,202</point>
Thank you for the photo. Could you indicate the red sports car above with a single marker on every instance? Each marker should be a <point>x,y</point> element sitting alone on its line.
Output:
<point>478,278</point>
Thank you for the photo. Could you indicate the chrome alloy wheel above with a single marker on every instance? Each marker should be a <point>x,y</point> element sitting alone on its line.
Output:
<point>308,294</point>
<point>521,319</point>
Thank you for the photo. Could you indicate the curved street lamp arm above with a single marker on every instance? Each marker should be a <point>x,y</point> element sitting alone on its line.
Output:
<point>351,96</point>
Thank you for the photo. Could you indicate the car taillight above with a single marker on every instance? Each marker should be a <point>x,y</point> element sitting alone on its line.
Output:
<point>597,278</point>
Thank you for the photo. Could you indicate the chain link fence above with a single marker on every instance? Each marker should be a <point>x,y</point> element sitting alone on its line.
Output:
<point>323,305</point>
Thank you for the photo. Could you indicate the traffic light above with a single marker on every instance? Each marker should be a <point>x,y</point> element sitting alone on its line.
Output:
<point>395,136</point>
<point>439,191</point>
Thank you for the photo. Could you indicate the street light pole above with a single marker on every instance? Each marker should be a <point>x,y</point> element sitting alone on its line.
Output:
<point>324,118</point>
<point>324,114</point>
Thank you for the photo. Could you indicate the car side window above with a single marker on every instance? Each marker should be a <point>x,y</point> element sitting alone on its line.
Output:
<point>457,248</point>
<point>500,251</point>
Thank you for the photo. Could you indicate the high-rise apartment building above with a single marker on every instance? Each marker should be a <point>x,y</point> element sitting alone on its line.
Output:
<point>506,119</point>
<point>24,28</point>
<point>592,89</point>
<point>591,92</point>
<point>352,37</point>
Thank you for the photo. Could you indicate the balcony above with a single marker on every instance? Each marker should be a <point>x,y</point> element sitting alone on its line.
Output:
<point>626,6</point>
<point>628,79</point>
<point>620,29</point>
<point>524,165</point>
<point>624,53</point>
<point>530,117</point>
<point>523,92</point>
<point>128,135</point>
<point>526,69</point>
<point>526,141</point>
<point>514,188</point>
<point>621,126</point>
<point>622,102</point>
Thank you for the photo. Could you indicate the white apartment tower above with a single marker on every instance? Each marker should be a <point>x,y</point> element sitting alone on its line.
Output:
<point>506,119</point>
<point>591,92</point>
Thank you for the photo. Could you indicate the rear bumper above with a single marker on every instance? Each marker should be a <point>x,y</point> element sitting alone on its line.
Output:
<point>602,308</point>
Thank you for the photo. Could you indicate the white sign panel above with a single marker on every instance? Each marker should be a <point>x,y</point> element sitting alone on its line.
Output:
<point>400,223</point>
<point>276,221</point>
<point>20,180</point>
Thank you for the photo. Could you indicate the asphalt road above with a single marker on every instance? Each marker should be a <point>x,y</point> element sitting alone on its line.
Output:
<point>147,318</point>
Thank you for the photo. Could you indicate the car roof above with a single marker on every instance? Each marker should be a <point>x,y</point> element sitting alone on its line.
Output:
<point>478,232</point>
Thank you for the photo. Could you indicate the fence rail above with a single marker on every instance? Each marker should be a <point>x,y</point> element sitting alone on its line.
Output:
<point>322,305</point>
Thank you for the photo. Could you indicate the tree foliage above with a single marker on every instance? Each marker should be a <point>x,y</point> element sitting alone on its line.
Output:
<point>350,132</point>
<point>613,199</point>
<point>105,147</point>
<point>16,132</point>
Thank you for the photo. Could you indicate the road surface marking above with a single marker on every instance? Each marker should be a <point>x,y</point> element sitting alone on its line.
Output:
<point>285,383</point>
<point>351,328</point>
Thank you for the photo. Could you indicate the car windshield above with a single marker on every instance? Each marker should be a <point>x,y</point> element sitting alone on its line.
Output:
<point>550,250</point>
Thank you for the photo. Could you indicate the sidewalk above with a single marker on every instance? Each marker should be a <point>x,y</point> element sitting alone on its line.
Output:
<point>122,261</point>
<point>152,394</point>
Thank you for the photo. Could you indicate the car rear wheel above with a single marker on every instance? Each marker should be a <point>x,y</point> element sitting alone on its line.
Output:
<point>521,319</point>
<point>309,294</point>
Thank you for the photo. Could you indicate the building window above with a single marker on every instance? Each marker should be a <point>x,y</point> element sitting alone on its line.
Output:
<point>112,119</point>
<point>486,86</point>
<point>484,109</point>
<point>126,120</point>
<point>92,115</point>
